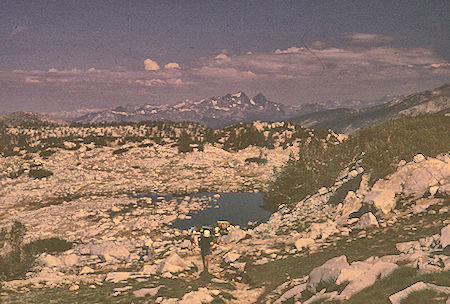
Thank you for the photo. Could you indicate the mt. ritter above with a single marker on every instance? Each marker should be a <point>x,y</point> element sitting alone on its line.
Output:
<point>214,111</point>
<point>346,116</point>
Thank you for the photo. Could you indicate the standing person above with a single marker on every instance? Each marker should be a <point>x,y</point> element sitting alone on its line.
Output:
<point>194,234</point>
<point>217,236</point>
<point>147,249</point>
<point>205,243</point>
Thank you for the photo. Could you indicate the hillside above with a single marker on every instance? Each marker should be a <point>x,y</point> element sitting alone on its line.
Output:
<point>358,219</point>
<point>349,121</point>
<point>29,118</point>
<point>378,149</point>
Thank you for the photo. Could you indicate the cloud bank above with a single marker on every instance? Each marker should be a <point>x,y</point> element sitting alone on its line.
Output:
<point>367,67</point>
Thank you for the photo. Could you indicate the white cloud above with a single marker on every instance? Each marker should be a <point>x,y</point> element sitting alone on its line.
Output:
<point>151,65</point>
<point>18,29</point>
<point>366,38</point>
<point>172,65</point>
<point>320,72</point>
<point>32,80</point>
<point>224,73</point>
<point>291,50</point>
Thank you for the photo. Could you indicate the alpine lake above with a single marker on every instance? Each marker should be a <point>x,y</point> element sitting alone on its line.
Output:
<point>243,209</point>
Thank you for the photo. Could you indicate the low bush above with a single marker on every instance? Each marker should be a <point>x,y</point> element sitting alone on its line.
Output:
<point>257,160</point>
<point>50,245</point>
<point>16,258</point>
<point>120,151</point>
<point>379,149</point>
<point>39,173</point>
<point>46,153</point>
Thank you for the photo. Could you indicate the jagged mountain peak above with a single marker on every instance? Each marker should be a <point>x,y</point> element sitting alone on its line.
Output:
<point>260,98</point>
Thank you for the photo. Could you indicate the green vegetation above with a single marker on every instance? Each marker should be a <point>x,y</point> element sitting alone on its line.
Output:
<point>426,296</point>
<point>244,135</point>
<point>120,151</point>
<point>39,173</point>
<point>400,279</point>
<point>18,261</point>
<point>17,258</point>
<point>378,242</point>
<point>378,149</point>
<point>184,142</point>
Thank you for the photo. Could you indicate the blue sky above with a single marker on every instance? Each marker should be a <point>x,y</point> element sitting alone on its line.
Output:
<point>62,55</point>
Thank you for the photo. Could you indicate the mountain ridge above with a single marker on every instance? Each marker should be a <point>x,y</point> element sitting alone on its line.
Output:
<point>216,111</point>
<point>351,120</point>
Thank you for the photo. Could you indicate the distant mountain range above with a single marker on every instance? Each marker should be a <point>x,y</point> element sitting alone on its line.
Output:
<point>213,111</point>
<point>350,120</point>
<point>230,109</point>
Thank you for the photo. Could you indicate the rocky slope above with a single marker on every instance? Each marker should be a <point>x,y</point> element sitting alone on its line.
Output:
<point>107,237</point>
<point>330,245</point>
<point>349,120</point>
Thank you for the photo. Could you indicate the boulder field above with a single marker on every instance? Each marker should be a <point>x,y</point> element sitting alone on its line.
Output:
<point>107,243</point>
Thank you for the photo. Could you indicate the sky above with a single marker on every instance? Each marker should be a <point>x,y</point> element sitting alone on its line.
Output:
<point>65,55</point>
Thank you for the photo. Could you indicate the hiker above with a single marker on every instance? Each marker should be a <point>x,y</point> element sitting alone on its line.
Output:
<point>205,244</point>
<point>194,234</point>
<point>147,248</point>
<point>224,227</point>
<point>217,236</point>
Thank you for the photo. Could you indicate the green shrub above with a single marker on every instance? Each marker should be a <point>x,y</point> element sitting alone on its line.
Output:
<point>378,148</point>
<point>257,160</point>
<point>39,173</point>
<point>15,263</point>
<point>184,143</point>
<point>120,151</point>
<point>426,296</point>
<point>46,153</point>
<point>50,245</point>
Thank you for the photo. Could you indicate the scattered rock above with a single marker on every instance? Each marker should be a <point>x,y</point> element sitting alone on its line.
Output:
<point>143,292</point>
<point>174,264</point>
<point>235,235</point>
<point>327,273</point>
<point>323,230</point>
<point>445,236</point>
<point>358,281</point>
<point>366,221</point>
<point>323,296</point>
<point>231,257</point>
<point>291,293</point>
<point>382,199</point>
<point>149,269</point>
<point>117,277</point>
<point>86,270</point>
<point>401,295</point>
<point>109,249</point>
<point>419,158</point>
<point>303,243</point>
<point>408,247</point>
<point>202,295</point>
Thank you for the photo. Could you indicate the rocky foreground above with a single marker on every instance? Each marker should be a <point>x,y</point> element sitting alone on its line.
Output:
<point>330,245</point>
<point>99,178</point>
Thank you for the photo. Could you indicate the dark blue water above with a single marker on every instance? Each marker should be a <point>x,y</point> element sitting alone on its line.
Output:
<point>237,208</point>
